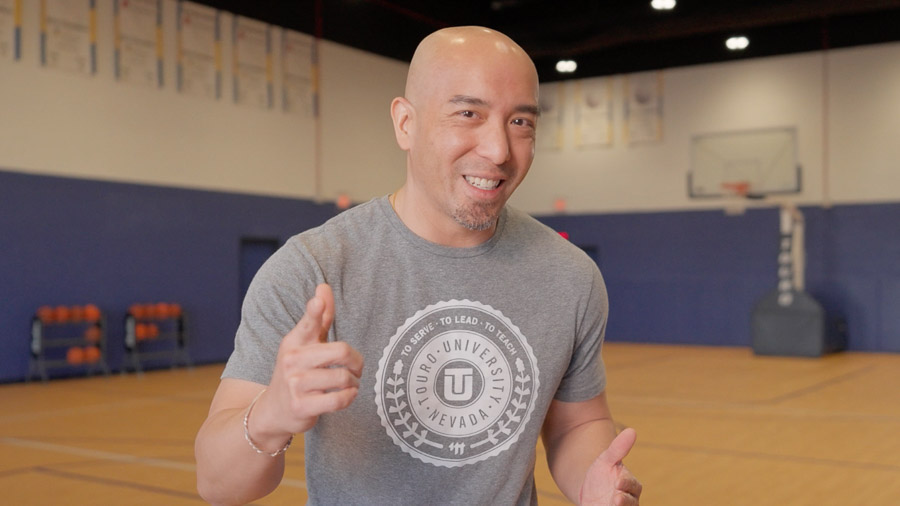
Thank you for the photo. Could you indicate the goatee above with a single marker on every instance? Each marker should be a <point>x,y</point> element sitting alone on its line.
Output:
<point>475,217</point>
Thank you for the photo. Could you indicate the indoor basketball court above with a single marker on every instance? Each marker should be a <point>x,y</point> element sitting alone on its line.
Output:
<point>741,203</point>
<point>715,426</point>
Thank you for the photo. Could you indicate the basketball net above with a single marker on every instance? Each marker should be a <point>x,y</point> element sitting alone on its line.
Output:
<point>739,191</point>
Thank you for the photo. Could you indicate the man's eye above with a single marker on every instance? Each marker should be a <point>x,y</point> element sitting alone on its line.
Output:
<point>467,114</point>
<point>523,122</point>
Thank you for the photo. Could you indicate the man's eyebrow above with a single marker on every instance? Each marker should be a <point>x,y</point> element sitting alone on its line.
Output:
<point>467,100</point>
<point>529,109</point>
<point>475,101</point>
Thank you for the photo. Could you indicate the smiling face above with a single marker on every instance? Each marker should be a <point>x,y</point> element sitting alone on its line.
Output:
<point>468,126</point>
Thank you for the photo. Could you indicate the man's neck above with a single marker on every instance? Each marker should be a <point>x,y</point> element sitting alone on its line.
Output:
<point>433,227</point>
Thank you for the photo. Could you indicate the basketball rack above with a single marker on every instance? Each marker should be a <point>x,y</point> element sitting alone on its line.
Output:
<point>156,333</point>
<point>70,339</point>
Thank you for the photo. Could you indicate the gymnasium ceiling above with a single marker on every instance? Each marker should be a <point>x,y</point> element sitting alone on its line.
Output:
<point>603,36</point>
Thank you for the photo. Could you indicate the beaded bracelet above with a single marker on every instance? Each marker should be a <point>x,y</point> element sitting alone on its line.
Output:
<point>247,432</point>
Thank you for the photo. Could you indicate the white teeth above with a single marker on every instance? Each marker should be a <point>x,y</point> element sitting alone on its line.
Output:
<point>482,183</point>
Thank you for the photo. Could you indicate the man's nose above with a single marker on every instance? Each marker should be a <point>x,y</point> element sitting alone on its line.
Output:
<point>493,143</point>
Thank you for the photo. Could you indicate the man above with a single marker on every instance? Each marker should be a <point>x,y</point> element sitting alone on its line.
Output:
<point>479,327</point>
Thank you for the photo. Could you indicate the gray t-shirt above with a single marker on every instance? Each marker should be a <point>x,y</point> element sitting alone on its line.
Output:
<point>464,349</point>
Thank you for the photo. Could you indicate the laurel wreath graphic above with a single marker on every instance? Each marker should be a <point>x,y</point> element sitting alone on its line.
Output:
<point>396,382</point>
<point>522,390</point>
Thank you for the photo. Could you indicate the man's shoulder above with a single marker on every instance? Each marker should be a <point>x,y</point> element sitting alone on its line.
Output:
<point>543,251</point>
<point>366,217</point>
<point>522,221</point>
<point>530,232</point>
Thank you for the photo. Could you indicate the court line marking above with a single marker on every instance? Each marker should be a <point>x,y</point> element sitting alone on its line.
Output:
<point>24,417</point>
<point>769,401</point>
<point>821,385</point>
<point>116,483</point>
<point>773,456</point>
<point>148,461</point>
<point>124,458</point>
<point>733,409</point>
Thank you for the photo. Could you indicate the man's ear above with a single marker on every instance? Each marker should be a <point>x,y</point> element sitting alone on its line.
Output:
<point>403,115</point>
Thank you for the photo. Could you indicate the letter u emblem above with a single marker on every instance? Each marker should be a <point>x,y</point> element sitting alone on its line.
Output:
<point>458,384</point>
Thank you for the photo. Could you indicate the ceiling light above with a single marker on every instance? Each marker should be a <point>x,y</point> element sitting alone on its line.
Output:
<point>663,5</point>
<point>737,43</point>
<point>566,66</point>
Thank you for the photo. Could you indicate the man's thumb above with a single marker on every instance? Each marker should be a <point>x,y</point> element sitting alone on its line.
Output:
<point>620,447</point>
<point>324,293</point>
<point>308,330</point>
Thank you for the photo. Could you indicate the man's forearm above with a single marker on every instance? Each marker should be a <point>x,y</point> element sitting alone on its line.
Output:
<point>229,471</point>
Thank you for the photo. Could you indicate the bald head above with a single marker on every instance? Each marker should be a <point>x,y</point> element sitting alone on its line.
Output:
<point>468,124</point>
<point>460,48</point>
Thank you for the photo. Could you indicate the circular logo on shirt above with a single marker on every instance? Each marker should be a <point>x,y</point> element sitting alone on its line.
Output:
<point>457,384</point>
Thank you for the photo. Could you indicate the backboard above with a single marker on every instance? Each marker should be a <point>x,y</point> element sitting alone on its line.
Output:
<point>750,163</point>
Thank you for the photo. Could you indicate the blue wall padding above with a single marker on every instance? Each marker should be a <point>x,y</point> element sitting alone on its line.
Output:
<point>854,269</point>
<point>70,241</point>
<point>688,277</point>
<point>693,277</point>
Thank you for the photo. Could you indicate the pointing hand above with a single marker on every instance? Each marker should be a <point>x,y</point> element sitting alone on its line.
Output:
<point>311,376</point>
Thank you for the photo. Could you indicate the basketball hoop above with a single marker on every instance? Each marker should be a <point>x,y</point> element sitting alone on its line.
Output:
<point>741,189</point>
<point>736,188</point>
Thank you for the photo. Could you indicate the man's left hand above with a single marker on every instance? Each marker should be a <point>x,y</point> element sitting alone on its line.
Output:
<point>608,482</point>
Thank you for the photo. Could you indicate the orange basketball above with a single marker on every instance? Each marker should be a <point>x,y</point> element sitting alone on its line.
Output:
<point>91,313</point>
<point>162,310</point>
<point>75,355</point>
<point>174,311</point>
<point>92,354</point>
<point>61,314</point>
<point>152,331</point>
<point>140,331</point>
<point>138,311</point>
<point>46,314</point>
<point>92,334</point>
<point>76,313</point>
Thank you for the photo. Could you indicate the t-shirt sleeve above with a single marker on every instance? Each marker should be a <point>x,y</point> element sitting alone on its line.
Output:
<point>585,377</point>
<point>275,302</point>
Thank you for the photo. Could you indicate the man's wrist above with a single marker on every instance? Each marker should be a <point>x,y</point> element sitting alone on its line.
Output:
<point>258,444</point>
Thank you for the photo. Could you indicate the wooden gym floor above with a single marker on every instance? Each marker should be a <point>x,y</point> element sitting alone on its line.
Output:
<point>716,426</point>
